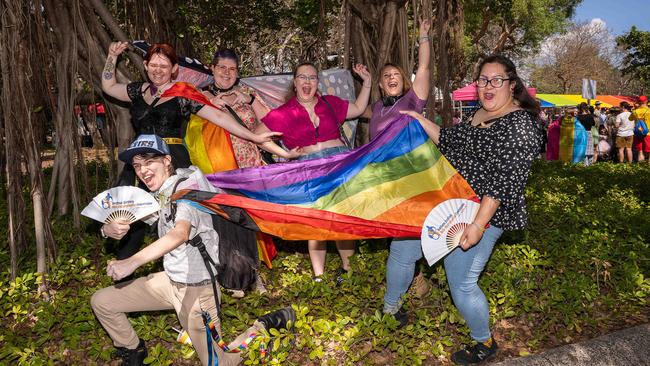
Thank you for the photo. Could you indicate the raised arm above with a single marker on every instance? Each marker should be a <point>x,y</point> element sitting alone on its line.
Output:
<point>421,84</point>
<point>225,120</point>
<point>110,85</point>
<point>359,106</point>
<point>170,241</point>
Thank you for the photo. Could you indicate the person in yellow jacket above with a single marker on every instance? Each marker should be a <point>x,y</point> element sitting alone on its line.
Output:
<point>641,143</point>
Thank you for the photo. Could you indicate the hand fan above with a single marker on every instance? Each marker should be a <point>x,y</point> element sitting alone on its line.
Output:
<point>125,202</point>
<point>444,226</point>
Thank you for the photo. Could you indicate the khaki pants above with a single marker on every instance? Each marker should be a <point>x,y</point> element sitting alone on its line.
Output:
<point>157,292</point>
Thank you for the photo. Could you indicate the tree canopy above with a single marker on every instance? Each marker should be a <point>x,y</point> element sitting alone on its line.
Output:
<point>637,59</point>
<point>513,27</point>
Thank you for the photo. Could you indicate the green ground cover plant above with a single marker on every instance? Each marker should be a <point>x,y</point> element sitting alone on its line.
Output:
<point>581,269</point>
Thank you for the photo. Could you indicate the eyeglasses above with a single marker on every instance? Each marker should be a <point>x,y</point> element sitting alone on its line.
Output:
<point>496,82</point>
<point>304,77</point>
<point>225,69</point>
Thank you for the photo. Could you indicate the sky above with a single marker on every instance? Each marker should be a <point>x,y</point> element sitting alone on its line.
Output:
<point>618,15</point>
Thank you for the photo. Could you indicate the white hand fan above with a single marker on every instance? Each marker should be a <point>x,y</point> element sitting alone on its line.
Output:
<point>444,226</point>
<point>121,203</point>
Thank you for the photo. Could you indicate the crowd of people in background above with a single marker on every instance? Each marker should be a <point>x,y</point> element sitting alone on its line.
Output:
<point>614,134</point>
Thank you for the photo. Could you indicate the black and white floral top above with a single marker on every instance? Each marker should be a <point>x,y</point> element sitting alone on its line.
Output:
<point>496,161</point>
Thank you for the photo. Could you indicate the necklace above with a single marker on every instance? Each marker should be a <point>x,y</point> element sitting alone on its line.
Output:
<point>157,91</point>
<point>305,102</point>
<point>214,89</point>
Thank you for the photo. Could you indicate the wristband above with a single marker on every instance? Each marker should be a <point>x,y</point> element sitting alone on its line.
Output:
<point>252,99</point>
<point>103,234</point>
<point>423,38</point>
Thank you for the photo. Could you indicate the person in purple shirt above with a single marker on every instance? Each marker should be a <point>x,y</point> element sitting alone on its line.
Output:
<point>398,94</point>
<point>310,121</point>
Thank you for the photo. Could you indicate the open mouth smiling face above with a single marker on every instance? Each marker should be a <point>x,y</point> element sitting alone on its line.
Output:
<point>159,69</point>
<point>152,171</point>
<point>306,82</point>
<point>392,82</point>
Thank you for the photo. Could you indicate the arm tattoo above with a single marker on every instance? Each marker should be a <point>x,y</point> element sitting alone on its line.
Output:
<point>109,68</point>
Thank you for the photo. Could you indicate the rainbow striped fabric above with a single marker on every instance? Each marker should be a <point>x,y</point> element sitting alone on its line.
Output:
<point>573,140</point>
<point>383,189</point>
<point>209,145</point>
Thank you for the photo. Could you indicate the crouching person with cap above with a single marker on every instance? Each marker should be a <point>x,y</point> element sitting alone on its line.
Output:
<point>184,285</point>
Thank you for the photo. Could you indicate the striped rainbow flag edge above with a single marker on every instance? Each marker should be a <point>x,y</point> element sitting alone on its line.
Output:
<point>383,189</point>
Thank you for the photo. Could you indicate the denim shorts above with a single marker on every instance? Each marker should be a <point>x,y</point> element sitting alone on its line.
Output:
<point>324,153</point>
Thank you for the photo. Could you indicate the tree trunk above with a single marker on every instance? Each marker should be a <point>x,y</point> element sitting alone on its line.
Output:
<point>21,130</point>
<point>378,34</point>
<point>449,35</point>
<point>15,204</point>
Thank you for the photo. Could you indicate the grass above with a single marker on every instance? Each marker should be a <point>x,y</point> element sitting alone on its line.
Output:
<point>579,270</point>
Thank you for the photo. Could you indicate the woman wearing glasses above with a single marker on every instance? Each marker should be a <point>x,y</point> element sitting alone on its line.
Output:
<point>494,151</point>
<point>153,113</point>
<point>244,105</point>
<point>311,121</point>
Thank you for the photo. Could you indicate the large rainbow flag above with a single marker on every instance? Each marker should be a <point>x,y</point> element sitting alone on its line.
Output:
<point>383,189</point>
<point>573,140</point>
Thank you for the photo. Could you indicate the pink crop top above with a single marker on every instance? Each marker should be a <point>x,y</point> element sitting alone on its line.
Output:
<point>293,121</point>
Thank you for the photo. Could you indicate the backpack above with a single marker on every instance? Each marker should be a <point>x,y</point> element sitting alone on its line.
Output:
<point>640,128</point>
<point>238,259</point>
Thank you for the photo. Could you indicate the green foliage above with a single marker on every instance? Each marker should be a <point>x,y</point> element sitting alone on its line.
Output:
<point>580,269</point>
<point>530,21</point>
<point>637,59</point>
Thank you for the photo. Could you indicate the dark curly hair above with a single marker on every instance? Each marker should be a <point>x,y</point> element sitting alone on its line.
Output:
<point>520,93</point>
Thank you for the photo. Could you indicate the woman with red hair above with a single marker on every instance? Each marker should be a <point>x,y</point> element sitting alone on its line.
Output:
<point>167,117</point>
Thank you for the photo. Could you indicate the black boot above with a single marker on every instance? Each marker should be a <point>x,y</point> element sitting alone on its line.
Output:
<point>278,319</point>
<point>472,354</point>
<point>132,357</point>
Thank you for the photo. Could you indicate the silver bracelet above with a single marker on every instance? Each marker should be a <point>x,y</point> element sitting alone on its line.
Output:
<point>101,231</point>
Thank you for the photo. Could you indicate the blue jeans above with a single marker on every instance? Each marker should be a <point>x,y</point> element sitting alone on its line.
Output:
<point>324,153</point>
<point>463,269</point>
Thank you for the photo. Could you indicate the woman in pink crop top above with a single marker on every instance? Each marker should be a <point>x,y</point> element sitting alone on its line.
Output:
<point>311,122</point>
<point>397,94</point>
